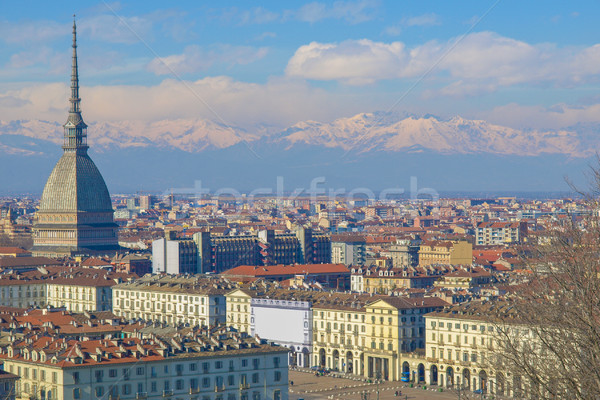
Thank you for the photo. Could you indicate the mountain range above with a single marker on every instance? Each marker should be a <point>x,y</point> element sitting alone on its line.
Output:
<point>379,149</point>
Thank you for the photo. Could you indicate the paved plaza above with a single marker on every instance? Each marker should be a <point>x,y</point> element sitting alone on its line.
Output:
<point>307,386</point>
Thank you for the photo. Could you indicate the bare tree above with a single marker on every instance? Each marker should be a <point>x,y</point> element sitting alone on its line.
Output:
<point>549,342</point>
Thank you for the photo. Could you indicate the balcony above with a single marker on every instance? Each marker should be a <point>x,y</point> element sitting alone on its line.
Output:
<point>244,386</point>
<point>167,393</point>
<point>219,389</point>
<point>194,390</point>
<point>141,395</point>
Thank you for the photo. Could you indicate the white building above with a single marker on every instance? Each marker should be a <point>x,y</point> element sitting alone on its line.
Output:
<point>195,300</point>
<point>198,367</point>
<point>175,257</point>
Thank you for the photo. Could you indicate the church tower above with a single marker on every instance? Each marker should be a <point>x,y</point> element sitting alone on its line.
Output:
<point>75,216</point>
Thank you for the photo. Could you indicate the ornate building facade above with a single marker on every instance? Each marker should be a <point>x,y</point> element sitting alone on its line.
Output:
<point>75,216</point>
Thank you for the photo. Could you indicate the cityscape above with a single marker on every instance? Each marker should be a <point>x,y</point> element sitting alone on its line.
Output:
<point>349,200</point>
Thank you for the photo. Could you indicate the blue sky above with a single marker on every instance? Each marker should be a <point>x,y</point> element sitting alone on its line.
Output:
<point>521,64</point>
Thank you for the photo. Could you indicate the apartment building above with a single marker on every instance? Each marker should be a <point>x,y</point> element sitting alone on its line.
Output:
<point>500,233</point>
<point>465,278</point>
<point>175,256</point>
<point>194,300</point>
<point>302,246</point>
<point>447,252</point>
<point>404,253</point>
<point>365,335</point>
<point>460,345</point>
<point>335,276</point>
<point>203,366</point>
<point>74,288</point>
<point>339,331</point>
<point>348,250</point>
<point>386,280</point>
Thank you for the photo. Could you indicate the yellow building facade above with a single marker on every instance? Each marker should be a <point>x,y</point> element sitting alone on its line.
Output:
<point>450,252</point>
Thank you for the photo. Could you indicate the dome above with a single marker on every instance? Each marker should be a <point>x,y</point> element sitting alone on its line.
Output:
<point>75,184</point>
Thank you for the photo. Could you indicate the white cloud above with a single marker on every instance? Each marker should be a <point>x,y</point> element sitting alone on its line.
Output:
<point>353,12</point>
<point>116,29</point>
<point>195,58</point>
<point>54,61</point>
<point>540,117</point>
<point>430,19</point>
<point>423,20</point>
<point>265,35</point>
<point>279,102</point>
<point>258,15</point>
<point>478,62</point>
<point>354,62</point>
<point>32,32</point>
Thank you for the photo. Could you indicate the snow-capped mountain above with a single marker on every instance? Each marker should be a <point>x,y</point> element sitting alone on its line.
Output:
<point>368,132</point>
<point>361,133</point>
<point>375,150</point>
<point>192,135</point>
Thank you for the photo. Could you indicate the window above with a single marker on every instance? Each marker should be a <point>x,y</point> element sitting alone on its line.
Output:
<point>255,363</point>
<point>205,382</point>
<point>126,374</point>
<point>205,367</point>
<point>140,387</point>
<point>99,375</point>
<point>219,364</point>
<point>112,373</point>
<point>194,383</point>
<point>193,367</point>
<point>277,376</point>
<point>76,393</point>
<point>139,371</point>
<point>277,394</point>
<point>276,362</point>
<point>179,384</point>
<point>153,386</point>
<point>75,377</point>
<point>255,377</point>
<point>126,388</point>
<point>99,391</point>
<point>54,377</point>
<point>244,363</point>
<point>166,385</point>
<point>255,395</point>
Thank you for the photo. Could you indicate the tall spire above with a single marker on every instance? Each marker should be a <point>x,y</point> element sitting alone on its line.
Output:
<point>75,128</point>
<point>74,75</point>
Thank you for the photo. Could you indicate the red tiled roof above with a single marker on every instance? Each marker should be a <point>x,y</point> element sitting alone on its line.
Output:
<point>288,270</point>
